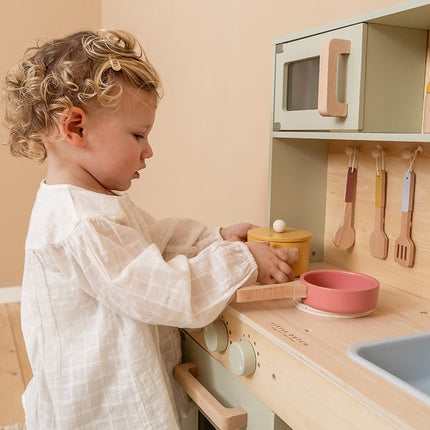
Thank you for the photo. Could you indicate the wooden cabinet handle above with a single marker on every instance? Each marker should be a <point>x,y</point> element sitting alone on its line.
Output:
<point>224,418</point>
<point>328,104</point>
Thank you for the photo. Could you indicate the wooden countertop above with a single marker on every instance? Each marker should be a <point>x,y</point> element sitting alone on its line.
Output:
<point>322,344</point>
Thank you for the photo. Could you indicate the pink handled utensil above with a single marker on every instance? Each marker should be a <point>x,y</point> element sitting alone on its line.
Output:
<point>345,235</point>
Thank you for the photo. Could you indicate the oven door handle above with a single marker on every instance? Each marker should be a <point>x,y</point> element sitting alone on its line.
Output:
<point>328,104</point>
<point>223,418</point>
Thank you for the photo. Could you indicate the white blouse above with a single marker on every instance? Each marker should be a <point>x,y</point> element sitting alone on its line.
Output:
<point>104,285</point>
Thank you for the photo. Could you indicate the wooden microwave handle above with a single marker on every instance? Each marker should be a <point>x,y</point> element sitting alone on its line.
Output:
<point>223,418</point>
<point>328,104</point>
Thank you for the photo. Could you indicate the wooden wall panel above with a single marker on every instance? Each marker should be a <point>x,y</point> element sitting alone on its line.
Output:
<point>358,258</point>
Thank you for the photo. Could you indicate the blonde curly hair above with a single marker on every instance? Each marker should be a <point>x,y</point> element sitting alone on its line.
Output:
<point>71,71</point>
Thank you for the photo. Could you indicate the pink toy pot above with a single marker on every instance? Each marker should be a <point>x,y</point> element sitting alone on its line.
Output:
<point>337,291</point>
<point>340,291</point>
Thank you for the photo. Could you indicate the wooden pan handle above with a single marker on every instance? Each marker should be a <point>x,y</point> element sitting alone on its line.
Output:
<point>255,293</point>
<point>223,418</point>
<point>328,104</point>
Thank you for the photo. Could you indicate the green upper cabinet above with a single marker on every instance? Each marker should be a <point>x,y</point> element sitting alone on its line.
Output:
<point>364,77</point>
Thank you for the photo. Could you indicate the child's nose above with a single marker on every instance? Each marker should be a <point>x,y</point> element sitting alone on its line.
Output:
<point>147,152</point>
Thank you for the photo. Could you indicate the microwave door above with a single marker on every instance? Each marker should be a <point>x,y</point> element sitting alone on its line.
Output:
<point>318,81</point>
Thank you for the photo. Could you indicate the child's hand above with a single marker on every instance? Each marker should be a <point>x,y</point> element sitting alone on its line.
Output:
<point>237,232</point>
<point>274,265</point>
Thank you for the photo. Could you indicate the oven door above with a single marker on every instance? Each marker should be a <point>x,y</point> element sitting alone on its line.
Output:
<point>319,81</point>
<point>223,402</point>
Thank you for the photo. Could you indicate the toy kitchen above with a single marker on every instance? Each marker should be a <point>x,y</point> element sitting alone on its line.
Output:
<point>350,164</point>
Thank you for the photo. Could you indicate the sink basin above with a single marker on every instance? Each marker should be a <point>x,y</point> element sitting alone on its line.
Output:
<point>403,360</point>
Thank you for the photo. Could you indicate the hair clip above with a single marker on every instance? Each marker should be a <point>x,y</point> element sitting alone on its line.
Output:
<point>115,64</point>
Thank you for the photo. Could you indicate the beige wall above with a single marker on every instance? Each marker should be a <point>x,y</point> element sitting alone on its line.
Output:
<point>211,137</point>
<point>22,24</point>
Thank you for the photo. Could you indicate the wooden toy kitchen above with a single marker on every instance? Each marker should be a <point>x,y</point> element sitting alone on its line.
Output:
<point>350,150</point>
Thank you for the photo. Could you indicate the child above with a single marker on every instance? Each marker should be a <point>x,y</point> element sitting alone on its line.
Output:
<point>105,283</point>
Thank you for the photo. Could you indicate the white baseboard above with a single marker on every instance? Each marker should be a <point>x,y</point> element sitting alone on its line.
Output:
<point>10,294</point>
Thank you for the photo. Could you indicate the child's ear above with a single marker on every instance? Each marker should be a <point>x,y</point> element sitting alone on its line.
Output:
<point>71,126</point>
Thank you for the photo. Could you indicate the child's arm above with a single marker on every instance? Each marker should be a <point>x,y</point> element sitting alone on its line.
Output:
<point>125,272</point>
<point>185,236</point>
<point>236,232</point>
<point>175,236</point>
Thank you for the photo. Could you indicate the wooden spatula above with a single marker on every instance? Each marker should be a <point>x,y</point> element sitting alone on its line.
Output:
<point>345,236</point>
<point>379,239</point>
<point>404,247</point>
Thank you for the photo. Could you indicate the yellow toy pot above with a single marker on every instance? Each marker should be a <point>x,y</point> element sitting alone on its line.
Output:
<point>288,238</point>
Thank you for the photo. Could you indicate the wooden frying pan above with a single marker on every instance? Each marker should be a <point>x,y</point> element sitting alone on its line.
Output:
<point>336,291</point>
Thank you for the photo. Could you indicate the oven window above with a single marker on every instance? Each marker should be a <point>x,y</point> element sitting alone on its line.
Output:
<point>302,84</point>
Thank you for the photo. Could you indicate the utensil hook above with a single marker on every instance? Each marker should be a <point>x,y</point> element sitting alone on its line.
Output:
<point>351,153</point>
<point>376,153</point>
<point>408,154</point>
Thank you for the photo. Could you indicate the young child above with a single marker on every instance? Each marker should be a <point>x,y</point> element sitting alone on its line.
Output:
<point>105,283</point>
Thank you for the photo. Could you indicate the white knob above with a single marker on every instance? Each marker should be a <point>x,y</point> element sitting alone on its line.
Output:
<point>279,225</point>
<point>216,337</point>
<point>242,358</point>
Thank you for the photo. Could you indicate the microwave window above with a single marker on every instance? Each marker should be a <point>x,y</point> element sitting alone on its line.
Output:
<point>302,84</point>
<point>204,423</point>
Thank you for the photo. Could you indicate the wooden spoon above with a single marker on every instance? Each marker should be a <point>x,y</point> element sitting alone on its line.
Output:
<point>379,239</point>
<point>345,235</point>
